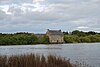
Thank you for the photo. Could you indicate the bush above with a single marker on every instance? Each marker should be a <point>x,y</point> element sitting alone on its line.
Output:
<point>94,38</point>
<point>71,38</point>
<point>18,39</point>
<point>44,40</point>
<point>84,39</point>
<point>81,39</point>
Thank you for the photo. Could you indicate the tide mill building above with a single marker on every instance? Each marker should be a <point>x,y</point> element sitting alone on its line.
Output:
<point>55,36</point>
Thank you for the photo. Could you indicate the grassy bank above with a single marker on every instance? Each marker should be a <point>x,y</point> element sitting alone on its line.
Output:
<point>37,61</point>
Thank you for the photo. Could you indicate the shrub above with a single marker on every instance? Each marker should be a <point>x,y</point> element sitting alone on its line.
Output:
<point>71,38</point>
<point>44,40</point>
<point>84,39</point>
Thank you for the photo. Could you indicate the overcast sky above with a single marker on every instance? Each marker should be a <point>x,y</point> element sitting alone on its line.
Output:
<point>39,15</point>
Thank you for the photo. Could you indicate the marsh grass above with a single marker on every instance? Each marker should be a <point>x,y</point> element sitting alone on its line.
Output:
<point>33,60</point>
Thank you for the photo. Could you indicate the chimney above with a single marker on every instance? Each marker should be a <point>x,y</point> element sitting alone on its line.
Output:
<point>47,29</point>
<point>59,30</point>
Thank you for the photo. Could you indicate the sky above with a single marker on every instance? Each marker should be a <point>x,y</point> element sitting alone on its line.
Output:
<point>39,15</point>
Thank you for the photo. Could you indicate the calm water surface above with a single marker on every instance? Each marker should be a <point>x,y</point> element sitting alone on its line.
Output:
<point>83,52</point>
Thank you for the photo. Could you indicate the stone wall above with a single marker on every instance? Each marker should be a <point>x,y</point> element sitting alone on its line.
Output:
<point>56,39</point>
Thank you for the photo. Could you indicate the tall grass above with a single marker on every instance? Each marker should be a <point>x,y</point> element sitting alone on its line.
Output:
<point>34,61</point>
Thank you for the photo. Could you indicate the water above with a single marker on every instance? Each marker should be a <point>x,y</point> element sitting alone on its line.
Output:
<point>82,52</point>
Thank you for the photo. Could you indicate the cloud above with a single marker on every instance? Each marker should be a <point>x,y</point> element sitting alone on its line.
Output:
<point>2,13</point>
<point>82,27</point>
<point>15,10</point>
<point>37,1</point>
<point>27,15</point>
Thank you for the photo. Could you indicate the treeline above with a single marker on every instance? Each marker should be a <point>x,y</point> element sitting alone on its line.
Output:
<point>77,36</point>
<point>22,39</point>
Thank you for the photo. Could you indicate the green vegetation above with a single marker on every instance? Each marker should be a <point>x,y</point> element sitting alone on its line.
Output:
<point>44,40</point>
<point>22,39</point>
<point>71,38</point>
<point>81,37</point>
<point>75,36</point>
<point>37,61</point>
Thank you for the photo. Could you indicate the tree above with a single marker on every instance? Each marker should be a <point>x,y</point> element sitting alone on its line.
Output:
<point>79,33</point>
<point>71,38</point>
<point>91,33</point>
<point>44,40</point>
<point>65,33</point>
<point>84,39</point>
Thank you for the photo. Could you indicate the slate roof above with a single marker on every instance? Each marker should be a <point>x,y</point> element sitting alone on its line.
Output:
<point>55,32</point>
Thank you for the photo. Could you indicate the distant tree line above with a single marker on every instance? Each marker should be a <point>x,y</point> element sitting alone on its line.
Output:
<point>77,36</point>
<point>23,38</point>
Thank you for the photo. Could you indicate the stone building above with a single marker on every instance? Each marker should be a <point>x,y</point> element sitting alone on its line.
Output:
<point>55,36</point>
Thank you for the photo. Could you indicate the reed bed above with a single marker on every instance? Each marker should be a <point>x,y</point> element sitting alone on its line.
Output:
<point>34,61</point>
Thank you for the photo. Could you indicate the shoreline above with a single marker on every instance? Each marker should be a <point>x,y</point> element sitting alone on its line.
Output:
<point>50,44</point>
